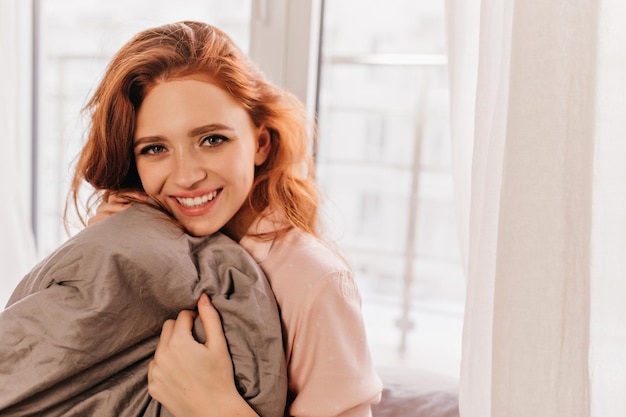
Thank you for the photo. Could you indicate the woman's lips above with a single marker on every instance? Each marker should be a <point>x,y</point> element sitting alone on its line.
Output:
<point>196,205</point>
<point>191,202</point>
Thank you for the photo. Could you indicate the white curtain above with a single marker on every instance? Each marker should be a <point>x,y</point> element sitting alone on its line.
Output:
<point>538,93</point>
<point>17,254</point>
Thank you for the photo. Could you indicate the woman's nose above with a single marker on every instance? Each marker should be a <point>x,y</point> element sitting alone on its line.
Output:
<point>188,171</point>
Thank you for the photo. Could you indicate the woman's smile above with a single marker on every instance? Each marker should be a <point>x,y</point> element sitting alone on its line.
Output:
<point>192,202</point>
<point>199,205</point>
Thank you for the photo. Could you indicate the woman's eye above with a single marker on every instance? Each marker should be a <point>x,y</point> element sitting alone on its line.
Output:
<point>213,140</point>
<point>152,149</point>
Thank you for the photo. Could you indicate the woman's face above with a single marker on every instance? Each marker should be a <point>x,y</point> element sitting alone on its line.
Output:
<point>196,148</point>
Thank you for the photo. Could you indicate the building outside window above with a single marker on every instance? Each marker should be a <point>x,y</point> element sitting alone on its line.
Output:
<point>384,159</point>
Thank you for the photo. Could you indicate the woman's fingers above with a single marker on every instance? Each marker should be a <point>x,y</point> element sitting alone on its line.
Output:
<point>127,197</point>
<point>212,324</point>
<point>180,331</point>
<point>116,202</point>
<point>167,329</point>
<point>181,328</point>
<point>173,337</point>
<point>186,374</point>
<point>164,339</point>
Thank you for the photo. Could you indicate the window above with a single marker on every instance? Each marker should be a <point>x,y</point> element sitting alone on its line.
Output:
<point>384,163</point>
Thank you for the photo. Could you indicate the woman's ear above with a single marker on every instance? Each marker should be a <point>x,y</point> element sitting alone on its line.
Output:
<point>264,145</point>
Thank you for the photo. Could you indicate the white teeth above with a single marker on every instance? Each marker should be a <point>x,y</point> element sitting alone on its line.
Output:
<point>196,201</point>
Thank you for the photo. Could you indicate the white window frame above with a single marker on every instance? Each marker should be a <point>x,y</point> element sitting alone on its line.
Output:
<point>21,12</point>
<point>285,42</point>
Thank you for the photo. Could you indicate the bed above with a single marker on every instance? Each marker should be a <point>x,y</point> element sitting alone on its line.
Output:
<point>416,393</point>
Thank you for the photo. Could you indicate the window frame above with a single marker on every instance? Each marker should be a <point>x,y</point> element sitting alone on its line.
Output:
<point>294,30</point>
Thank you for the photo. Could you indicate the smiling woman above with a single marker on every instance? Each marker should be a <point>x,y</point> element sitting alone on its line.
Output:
<point>412,288</point>
<point>190,131</point>
<point>184,118</point>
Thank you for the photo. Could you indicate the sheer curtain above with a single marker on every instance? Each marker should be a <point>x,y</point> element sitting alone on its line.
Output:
<point>17,253</point>
<point>539,132</point>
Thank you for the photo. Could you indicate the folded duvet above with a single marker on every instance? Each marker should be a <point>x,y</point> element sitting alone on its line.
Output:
<point>79,331</point>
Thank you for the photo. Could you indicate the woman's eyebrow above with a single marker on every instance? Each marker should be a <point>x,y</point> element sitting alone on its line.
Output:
<point>196,131</point>
<point>213,127</point>
<point>146,139</point>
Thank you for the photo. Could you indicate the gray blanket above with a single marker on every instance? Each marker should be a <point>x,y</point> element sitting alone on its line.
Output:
<point>79,331</point>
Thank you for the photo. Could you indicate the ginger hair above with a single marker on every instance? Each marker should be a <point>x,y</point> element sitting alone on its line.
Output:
<point>284,183</point>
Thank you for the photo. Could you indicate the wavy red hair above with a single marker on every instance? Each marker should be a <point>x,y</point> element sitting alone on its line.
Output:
<point>284,183</point>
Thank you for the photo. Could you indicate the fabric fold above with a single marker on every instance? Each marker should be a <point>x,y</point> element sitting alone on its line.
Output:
<point>81,327</point>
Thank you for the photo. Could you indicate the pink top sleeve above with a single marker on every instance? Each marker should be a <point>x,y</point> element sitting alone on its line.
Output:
<point>330,371</point>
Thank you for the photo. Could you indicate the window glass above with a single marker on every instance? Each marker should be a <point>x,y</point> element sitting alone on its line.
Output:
<point>76,40</point>
<point>384,162</point>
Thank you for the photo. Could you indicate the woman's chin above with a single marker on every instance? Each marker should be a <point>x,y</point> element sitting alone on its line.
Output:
<point>199,230</point>
<point>196,226</point>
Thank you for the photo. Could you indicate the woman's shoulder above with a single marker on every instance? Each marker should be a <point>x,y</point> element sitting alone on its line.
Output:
<point>299,265</point>
<point>310,279</point>
<point>310,253</point>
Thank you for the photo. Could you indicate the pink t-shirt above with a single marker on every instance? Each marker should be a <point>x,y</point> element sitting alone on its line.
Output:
<point>329,367</point>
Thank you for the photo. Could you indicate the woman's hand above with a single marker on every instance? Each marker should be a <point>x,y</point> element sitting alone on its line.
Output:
<point>194,379</point>
<point>114,203</point>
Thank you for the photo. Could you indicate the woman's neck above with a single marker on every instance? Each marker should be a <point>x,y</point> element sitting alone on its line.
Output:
<point>238,226</point>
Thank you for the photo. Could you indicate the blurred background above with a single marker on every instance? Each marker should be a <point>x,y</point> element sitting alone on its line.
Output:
<point>374,73</point>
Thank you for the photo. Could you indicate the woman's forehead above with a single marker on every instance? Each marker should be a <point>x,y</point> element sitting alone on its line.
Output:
<point>186,103</point>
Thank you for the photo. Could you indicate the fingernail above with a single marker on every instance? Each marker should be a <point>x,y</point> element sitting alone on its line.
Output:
<point>204,299</point>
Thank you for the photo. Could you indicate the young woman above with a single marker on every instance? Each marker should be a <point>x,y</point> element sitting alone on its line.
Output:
<point>184,117</point>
